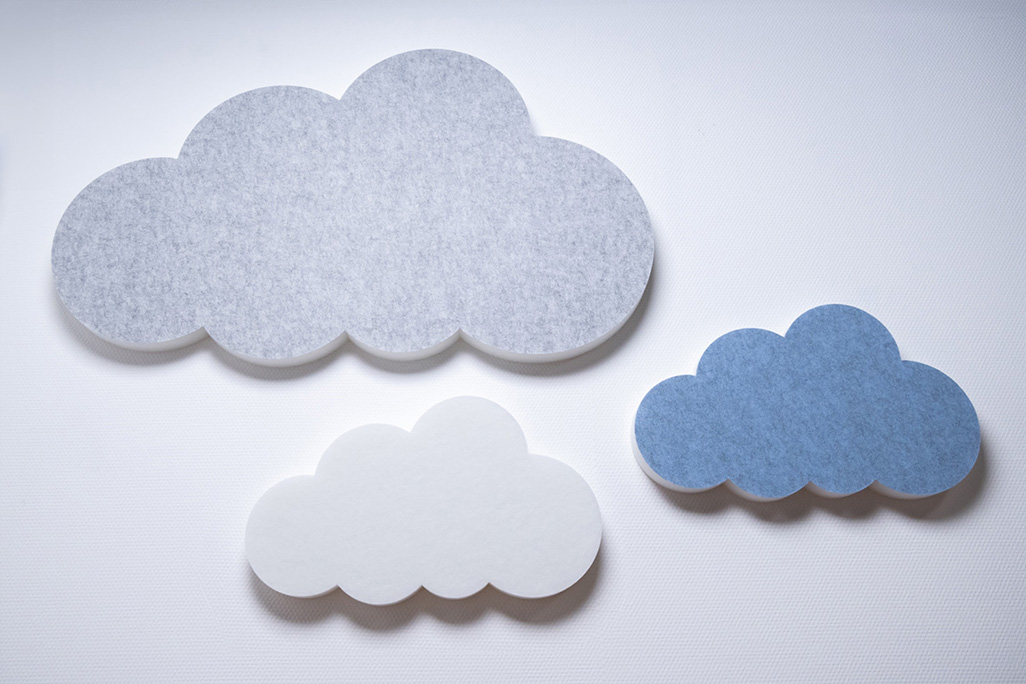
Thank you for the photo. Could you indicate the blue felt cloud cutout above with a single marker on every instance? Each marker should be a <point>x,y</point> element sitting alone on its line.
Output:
<point>830,404</point>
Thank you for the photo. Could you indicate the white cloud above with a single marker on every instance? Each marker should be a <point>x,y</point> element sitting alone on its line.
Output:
<point>454,505</point>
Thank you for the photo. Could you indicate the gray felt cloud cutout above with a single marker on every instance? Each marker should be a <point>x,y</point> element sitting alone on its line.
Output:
<point>417,208</point>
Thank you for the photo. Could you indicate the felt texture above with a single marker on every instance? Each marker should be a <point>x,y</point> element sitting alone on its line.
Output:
<point>418,206</point>
<point>831,403</point>
<point>452,506</point>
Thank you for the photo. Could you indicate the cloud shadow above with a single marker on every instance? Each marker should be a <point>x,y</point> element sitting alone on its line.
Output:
<point>112,352</point>
<point>541,611</point>
<point>948,504</point>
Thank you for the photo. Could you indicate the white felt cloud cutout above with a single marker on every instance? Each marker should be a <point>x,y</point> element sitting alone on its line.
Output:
<point>418,207</point>
<point>454,505</point>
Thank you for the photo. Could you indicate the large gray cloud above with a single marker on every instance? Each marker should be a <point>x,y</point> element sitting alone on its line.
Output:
<point>418,205</point>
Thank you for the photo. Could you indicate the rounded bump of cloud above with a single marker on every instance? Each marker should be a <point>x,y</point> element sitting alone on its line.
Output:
<point>829,404</point>
<point>417,207</point>
<point>452,506</point>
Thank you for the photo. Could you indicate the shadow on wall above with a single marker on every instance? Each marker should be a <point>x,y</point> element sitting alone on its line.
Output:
<point>948,504</point>
<point>452,611</point>
<point>121,355</point>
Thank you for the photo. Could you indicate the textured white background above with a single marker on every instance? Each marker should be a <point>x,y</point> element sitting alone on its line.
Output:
<point>790,155</point>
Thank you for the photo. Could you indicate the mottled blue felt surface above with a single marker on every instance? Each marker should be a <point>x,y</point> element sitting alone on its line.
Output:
<point>830,403</point>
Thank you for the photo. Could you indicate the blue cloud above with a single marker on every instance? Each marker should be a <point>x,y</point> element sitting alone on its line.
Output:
<point>831,403</point>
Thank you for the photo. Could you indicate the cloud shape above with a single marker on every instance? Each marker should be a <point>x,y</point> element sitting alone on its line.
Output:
<point>454,505</point>
<point>418,206</point>
<point>831,403</point>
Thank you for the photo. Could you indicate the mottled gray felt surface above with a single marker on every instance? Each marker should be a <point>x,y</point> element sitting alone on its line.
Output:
<point>417,205</point>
